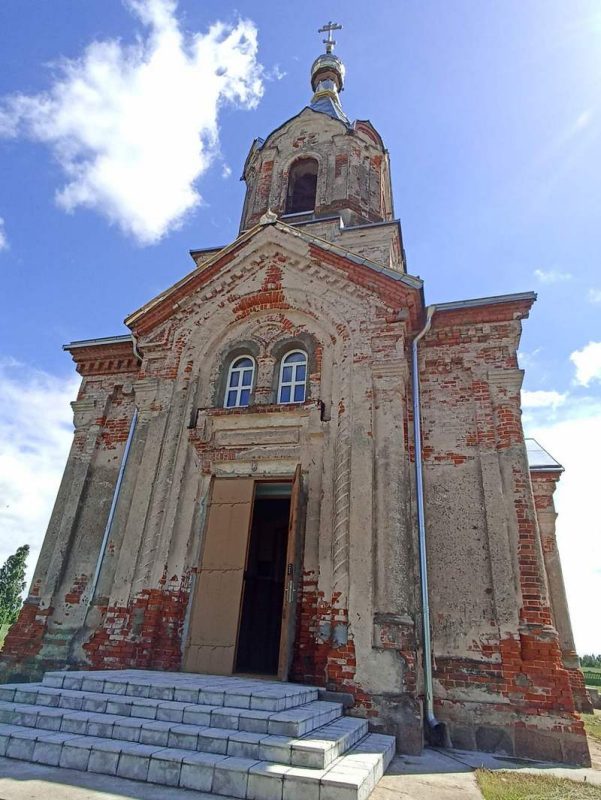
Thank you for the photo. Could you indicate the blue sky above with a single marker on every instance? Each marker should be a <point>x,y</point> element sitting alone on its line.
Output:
<point>492,115</point>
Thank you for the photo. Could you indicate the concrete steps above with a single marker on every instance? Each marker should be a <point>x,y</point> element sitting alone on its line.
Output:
<point>212,690</point>
<point>292,722</point>
<point>158,727</point>
<point>317,749</point>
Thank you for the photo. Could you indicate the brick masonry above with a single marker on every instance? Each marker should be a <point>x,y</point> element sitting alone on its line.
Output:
<point>505,671</point>
<point>544,483</point>
<point>474,428</point>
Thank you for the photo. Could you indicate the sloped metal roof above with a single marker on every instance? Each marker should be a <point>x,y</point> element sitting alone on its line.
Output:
<point>326,105</point>
<point>539,459</point>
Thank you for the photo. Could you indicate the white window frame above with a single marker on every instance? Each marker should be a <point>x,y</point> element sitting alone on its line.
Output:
<point>239,388</point>
<point>293,383</point>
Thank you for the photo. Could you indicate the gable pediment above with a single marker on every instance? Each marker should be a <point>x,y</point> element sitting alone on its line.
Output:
<point>227,271</point>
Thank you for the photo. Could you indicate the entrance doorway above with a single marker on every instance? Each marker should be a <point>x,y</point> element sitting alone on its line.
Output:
<point>264,579</point>
<point>243,609</point>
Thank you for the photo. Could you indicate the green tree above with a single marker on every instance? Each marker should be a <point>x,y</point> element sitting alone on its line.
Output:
<point>12,583</point>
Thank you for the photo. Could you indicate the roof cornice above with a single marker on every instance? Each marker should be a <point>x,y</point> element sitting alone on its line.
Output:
<point>231,250</point>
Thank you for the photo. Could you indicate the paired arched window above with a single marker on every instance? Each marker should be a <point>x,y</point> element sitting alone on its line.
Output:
<point>302,186</point>
<point>239,382</point>
<point>292,385</point>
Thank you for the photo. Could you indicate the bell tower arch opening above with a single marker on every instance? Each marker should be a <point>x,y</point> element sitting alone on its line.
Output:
<point>302,186</point>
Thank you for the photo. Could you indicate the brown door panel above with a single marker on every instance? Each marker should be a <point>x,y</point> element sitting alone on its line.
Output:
<point>215,612</point>
<point>210,660</point>
<point>217,592</point>
<point>227,536</point>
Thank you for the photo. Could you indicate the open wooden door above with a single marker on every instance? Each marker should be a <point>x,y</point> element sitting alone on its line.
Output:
<point>215,613</point>
<point>292,585</point>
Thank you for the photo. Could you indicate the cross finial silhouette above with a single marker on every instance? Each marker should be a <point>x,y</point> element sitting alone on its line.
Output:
<point>330,42</point>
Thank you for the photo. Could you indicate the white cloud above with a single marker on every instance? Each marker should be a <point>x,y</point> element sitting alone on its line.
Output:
<point>552,276</point>
<point>3,239</point>
<point>134,126</point>
<point>594,295</point>
<point>226,171</point>
<point>35,436</point>
<point>571,441</point>
<point>529,360</point>
<point>275,73</point>
<point>542,399</point>
<point>588,363</point>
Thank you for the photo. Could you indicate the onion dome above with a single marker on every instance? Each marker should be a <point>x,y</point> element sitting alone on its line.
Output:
<point>327,78</point>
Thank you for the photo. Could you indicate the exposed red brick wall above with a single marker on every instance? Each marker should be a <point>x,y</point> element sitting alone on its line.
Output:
<point>523,668</point>
<point>77,589</point>
<point>147,634</point>
<point>24,639</point>
<point>340,163</point>
<point>105,359</point>
<point>543,486</point>
<point>114,431</point>
<point>581,698</point>
<point>318,658</point>
<point>398,296</point>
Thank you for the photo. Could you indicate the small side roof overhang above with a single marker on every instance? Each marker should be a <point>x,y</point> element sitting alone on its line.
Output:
<point>539,460</point>
<point>458,305</point>
<point>102,342</point>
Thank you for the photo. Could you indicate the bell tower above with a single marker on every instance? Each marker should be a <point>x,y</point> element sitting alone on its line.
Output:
<point>322,170</point>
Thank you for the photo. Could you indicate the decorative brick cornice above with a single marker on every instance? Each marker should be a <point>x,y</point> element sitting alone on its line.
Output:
<point>493,309</point>
<point>111,358</point>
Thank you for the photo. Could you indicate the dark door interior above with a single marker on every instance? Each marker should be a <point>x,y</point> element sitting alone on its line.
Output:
<point>264,578</point>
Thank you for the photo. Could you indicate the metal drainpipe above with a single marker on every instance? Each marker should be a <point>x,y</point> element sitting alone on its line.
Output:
<point>437,730</point>
<point>134,343</point>
<point>109,522</point>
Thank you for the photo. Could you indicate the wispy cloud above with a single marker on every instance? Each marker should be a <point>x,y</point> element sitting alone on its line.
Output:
<point>594,295</point>
<point>542,399</point>
<point>588,363</point>
<point>275,73</point>
<point>529,358</point>
<point>3,239</point>
<point>552,276</point>
<point>134,126</point>
<point>35,436</point>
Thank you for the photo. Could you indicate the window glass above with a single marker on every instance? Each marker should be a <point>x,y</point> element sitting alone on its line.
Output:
<point>239,382</point>
<point>293,378</point>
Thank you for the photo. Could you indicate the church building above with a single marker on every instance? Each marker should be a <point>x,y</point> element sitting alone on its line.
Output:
<point>291,466</point>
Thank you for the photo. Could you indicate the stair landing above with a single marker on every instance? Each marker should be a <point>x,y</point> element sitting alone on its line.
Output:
<point>228,736</point>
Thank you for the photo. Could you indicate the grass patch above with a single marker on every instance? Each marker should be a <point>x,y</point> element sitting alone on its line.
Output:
<point>500,785</point>
<point>592,676</point>
<point>592,725</point>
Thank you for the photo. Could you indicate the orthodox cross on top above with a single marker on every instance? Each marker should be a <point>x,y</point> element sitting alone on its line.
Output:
<point>329,42</point>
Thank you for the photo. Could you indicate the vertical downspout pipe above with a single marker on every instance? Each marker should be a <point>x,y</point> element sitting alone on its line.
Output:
<point>436,731</point>
<point>113,508</point>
